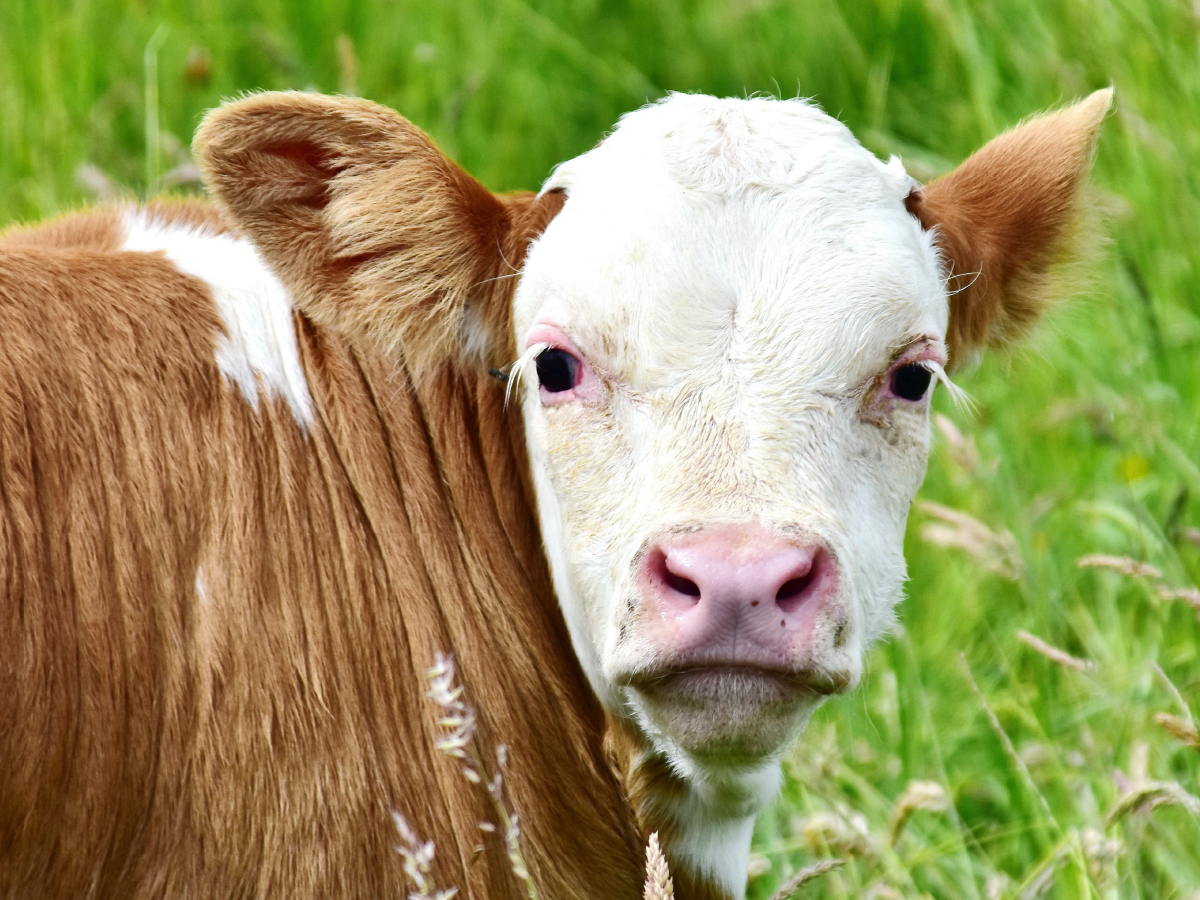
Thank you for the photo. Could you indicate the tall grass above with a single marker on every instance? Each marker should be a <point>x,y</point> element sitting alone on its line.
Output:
<point>1033,776</point>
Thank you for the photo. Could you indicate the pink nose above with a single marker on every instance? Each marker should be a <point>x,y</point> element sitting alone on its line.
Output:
<point>739,593</point>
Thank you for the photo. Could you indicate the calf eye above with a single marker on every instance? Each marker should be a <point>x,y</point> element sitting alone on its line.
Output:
<point>556,370</point>
<point>910,382</point>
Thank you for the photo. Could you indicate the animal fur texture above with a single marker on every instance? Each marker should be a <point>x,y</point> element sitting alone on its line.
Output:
<point>218,618</point>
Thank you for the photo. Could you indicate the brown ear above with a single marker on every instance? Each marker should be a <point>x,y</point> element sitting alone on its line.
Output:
<point>374,230</point>
<point>1006,218</point>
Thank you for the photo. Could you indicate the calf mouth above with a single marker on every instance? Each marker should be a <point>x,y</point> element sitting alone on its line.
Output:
<point>731,714</point>
<point>700,682</point>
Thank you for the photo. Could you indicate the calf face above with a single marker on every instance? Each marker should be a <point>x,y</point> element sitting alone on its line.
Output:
<point>730,336</point>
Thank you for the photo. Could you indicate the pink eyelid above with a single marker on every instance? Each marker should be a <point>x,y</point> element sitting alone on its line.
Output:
<point>544,333</point>
<point>922,350</point>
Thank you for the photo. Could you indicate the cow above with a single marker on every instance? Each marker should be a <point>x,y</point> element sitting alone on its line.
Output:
<point>638,449</point>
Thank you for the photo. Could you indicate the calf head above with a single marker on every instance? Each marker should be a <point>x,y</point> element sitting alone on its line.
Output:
<point>729,339</point>
<point>731,333</point>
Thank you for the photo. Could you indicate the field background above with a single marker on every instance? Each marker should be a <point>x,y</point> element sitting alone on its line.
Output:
<point>970,764</point>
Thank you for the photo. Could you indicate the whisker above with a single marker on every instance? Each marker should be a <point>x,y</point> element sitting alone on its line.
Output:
<point>496,278</point>
<point>975,276</point>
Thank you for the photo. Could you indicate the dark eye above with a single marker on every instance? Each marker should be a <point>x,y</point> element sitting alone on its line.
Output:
<point>556,370</point>
<point>911,382</point>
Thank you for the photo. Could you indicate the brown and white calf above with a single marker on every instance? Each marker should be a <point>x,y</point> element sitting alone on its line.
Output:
<point>254,474</point>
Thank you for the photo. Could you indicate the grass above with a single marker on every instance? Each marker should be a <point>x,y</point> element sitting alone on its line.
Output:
<point>1086,440</point>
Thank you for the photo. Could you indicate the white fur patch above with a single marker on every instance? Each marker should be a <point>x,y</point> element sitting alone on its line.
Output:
<point>716,822</point>
<point>719,849</point>
<point>258,352</point>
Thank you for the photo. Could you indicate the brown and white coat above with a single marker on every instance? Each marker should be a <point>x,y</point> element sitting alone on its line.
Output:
<point>254,475</point>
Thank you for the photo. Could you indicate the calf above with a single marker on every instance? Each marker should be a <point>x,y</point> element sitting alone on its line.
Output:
<point>255,474</point>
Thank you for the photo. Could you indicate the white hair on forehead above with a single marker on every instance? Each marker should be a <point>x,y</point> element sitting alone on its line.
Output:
<point>720,145</point>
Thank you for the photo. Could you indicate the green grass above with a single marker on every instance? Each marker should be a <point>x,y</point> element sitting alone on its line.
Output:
<point>1087,438</point>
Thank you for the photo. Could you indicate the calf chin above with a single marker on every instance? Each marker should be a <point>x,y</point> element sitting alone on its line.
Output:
<point>727,716</point>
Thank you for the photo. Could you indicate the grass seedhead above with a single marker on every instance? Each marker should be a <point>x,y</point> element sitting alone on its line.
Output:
<point>1181,729</point>
<point>1101,853</point>
<point>659,885</point>
<point>458,741</point>
<point>1189,595</point>
<point>963,451</point>
<point>1126,565</point>
<point>1148,795</point>
<point>418,863</point>
<point>918,795</point>
<point>789,888</point>
<point>995,551</point>
<point>1054,654</point>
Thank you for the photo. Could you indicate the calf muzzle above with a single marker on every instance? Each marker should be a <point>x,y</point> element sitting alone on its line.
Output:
<point>745,631</point>
<point>740,595</point>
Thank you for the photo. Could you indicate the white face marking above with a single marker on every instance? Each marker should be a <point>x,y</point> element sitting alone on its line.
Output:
<point>740,281</point>
<point>258,353</point>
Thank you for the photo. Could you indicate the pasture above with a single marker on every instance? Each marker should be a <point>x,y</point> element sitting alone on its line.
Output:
<point>1028,730</point>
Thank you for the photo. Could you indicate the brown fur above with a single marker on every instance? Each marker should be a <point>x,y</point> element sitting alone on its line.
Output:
<point>251,738</point>
<point>1006,218</point>
<point>100,229</point>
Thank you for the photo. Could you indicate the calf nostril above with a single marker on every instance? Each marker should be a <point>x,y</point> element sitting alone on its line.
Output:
<point>682,585</point>
<point>659,569</point>
<point>793,587</point>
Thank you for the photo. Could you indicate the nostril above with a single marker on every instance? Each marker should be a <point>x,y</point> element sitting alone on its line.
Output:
<point>795,591</point>
<point>682,585</point>
<point>793,587</point>
<point>660,570</point>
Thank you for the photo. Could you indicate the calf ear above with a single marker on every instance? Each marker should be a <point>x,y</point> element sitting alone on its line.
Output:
<point>376,232</point>
<point>1006,217</point>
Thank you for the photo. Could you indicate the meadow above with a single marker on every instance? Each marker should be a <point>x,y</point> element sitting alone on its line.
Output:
<point>1029,729</point>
